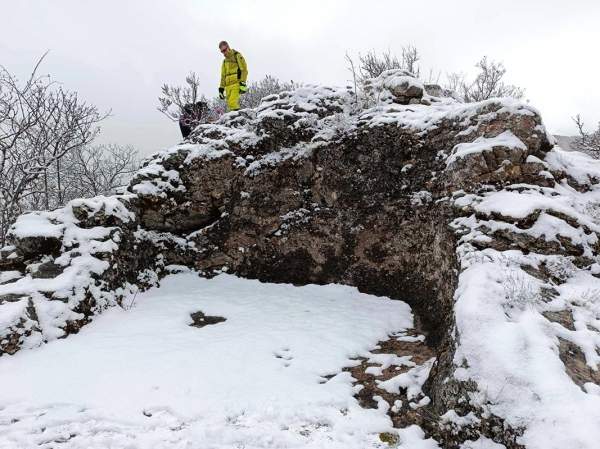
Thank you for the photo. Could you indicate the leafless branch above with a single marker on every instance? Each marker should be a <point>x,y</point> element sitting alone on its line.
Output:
<point>40,123</point>
<point>587,142</point>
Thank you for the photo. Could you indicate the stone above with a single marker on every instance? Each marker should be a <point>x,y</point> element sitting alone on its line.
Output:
<point>399,85</point>
<point>10,260</point>
<point>11,297</point>
<point>30,247</point>
<point>47,270</point>
<point>199,319</point>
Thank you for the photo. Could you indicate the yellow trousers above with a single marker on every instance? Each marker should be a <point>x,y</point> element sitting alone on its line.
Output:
<point>232,97</point>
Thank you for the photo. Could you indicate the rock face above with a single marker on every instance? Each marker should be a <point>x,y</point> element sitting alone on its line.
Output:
<point>465,211</point>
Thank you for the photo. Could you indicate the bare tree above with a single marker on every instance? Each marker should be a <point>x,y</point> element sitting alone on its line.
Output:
<point>83,172</point>
<point>373,64</point>
<point>587,142</point>
<point>40,122</point>
<point>410,58</point>
<point>455,81</point>
<point>487,84</point>
<point>174,99</point>
<point>99,170</point>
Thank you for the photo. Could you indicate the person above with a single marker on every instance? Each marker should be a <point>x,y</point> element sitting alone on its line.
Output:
<point>191,117</point>
<point>234,74</point>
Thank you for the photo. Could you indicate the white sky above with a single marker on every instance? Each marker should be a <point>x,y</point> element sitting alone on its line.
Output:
<point>117,53</point>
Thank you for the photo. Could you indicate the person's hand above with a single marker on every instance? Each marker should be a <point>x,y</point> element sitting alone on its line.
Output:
<point>221,93</point>
<point>243,88</point>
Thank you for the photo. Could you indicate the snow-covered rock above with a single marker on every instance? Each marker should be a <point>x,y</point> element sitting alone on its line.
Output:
<point>397,86</point>
<point>468,212</point>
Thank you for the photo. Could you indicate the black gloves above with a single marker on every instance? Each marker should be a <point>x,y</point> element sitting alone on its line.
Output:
<point>221,93</point>
<point>243,87</point>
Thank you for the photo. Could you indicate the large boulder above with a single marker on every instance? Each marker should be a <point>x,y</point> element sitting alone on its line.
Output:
<point>465,211</point>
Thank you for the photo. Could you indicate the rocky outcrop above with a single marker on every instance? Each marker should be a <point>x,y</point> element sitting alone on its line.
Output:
<point>465,211</point>
<point>69,264</point>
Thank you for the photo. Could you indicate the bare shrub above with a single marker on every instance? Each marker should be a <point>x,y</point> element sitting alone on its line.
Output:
<point>587,142</point>
<point>489,83</point>
<point>373,64</point>
<point>520,292</point>
<point>174,99</point>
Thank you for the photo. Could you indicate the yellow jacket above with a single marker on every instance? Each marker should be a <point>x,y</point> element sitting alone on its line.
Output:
<point>234,69</point>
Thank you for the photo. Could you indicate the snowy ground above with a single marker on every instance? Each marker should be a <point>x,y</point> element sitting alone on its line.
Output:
<point>144,378</point>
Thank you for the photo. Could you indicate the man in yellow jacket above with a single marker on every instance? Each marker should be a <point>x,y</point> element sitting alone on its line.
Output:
<point>234,73</point>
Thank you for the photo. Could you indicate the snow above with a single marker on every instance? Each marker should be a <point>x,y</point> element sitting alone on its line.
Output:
<point>385,361</point>
<point>154,180</point>
<point>308,100</point>
<point>412,380</point>
<point>143,377</point>
<point>520,204</point>
<point>53,224</point>
<point>109,205</point>
<point>390,81</point>
<point>7,276</point>
<point>413,437</point>
<point>507,345</point>
<point>36,224</point>
<point>510,350</point>
<point>481,443</point>
<point>452,417</point>
<point>482,144</point>
<point>420,198</point>
<point>550,205</point>
<point>422,118</point>
<point>396,80</point>
<point>582,167</point>
<point>11,314</point>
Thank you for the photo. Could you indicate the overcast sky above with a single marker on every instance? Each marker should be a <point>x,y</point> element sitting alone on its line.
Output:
<point>117,53</point>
